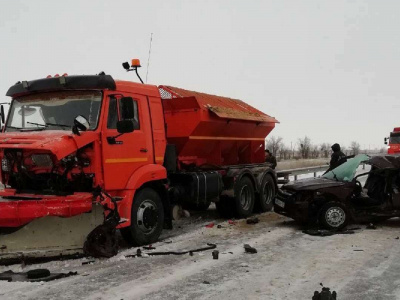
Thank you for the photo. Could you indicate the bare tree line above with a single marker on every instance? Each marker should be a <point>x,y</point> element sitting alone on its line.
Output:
<point>304,148</point>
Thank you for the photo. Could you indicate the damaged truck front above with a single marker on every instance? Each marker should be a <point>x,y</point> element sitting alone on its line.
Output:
<point>84,153</point>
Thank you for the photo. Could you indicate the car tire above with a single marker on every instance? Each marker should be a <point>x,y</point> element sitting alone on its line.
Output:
<point>244,197</point>
<point>265,201</point>
<point>147,219</point>
<point>333,216</point>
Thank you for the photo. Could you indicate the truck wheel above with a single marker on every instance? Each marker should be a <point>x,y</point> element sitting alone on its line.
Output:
<point>147,219</point>
<point>244,197</point>
<point>267,194</point>
<point>333,216</point>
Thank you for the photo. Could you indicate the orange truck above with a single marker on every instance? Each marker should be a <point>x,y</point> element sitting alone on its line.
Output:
<point>76,150</point>
<point>394,141</point>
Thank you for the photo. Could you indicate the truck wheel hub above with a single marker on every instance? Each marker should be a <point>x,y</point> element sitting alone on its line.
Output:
<point>267,193</point>
<point>245,197</point>
<point>335,216</point>
<point>147,216</point>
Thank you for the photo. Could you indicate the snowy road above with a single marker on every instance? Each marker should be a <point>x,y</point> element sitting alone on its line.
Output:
<point>288,265</point>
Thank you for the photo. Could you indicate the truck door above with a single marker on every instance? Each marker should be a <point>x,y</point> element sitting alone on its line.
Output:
<point>123,155</point>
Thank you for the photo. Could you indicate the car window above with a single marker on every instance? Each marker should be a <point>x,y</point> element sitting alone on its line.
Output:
<point>346,171</point>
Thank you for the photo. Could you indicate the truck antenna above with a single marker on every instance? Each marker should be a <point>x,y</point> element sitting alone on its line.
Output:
<point>148,59</point>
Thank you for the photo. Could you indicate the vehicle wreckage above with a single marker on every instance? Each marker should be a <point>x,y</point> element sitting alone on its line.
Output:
<point>338,197</point>
<point>82,156</point>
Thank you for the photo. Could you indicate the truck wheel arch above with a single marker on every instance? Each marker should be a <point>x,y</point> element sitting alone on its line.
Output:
<point>146,174</point>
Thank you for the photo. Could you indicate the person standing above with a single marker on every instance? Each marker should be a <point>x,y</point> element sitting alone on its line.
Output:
<point>269,158</point>
<point>337,157</point>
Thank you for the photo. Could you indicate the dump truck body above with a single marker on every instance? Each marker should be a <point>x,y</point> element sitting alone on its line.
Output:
<point>146,147</point>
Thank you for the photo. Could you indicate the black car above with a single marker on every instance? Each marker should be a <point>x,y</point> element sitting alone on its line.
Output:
<point>345,194</point>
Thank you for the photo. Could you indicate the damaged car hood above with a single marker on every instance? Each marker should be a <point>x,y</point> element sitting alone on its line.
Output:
<point>59,142</point>
<point>311,184</point>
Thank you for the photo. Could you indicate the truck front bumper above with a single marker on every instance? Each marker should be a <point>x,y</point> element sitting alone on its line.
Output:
<point>20,209</point>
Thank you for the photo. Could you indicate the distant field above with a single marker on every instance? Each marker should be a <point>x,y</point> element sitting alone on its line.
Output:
<point>301,163</point>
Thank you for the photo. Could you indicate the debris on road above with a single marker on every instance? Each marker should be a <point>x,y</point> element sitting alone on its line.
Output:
<point>211,225</point>
<point>88,262</point>
<point>33,275</point>
<point>371,226</point>
<point>249,249</point>
<point>326,232</point>
<point>206,282</point>
<point>149,247</point>
<point>215,254</point>
<point>254,220</point>
<point>140,254</point>
<point>230,222</point>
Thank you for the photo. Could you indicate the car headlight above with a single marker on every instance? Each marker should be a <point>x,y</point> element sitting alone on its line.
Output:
<point>42,160</point>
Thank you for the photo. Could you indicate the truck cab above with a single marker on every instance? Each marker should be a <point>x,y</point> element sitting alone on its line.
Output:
<point>394,141</point>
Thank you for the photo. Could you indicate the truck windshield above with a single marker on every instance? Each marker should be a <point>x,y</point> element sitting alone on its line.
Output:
<point>394,138</point>
<point>346,171</point>
<point>53,110</point>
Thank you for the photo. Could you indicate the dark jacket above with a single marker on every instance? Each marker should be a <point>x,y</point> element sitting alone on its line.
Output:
<point>272,160</point>
<point>337,157</point>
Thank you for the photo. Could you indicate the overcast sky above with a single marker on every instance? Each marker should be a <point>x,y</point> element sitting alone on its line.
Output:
<point>325,69</point>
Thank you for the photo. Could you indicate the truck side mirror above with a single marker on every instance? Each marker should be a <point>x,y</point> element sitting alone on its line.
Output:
<point>3,117</point>
<point>80,124</point>
<point>127,108</point>
<point>125,126</point>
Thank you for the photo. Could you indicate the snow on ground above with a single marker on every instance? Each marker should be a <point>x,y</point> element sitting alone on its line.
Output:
<point>288,265</point>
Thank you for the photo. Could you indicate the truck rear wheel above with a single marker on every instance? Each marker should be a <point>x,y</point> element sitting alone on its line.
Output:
<point>147,219</point>
<point>267,194</point>
<point>244,197</point>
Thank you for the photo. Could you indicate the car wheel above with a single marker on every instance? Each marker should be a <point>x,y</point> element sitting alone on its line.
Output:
<point>244,197</point>
<point>147,219</point>
<point>333,216</point>
<point>267,194</point>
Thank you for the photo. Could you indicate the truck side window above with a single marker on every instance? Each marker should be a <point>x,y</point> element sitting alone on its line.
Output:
<point>136,113</point>
<point>112,114</point>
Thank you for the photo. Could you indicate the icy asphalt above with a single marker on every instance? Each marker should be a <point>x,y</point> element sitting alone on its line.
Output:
<point>289,265</point>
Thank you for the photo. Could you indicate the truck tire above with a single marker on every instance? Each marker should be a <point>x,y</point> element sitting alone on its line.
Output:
<point>265,201</point>
<point>333,216</point>
<point>147,219</point>
<point>244,197</point>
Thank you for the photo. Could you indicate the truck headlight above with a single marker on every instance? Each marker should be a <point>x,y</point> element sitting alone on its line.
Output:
<point>5,165</point>
<point>42,160</point>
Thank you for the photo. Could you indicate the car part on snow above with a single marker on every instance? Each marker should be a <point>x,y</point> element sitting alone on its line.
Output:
<point>325,232</point>
<point>249,249</point>
<point>33,275</point>
<point>215,254</point>
<point>102,241</point>
<point>325,294</point>
<point>209,247</point>
<point>371,226</point>
<point>254,220</point>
